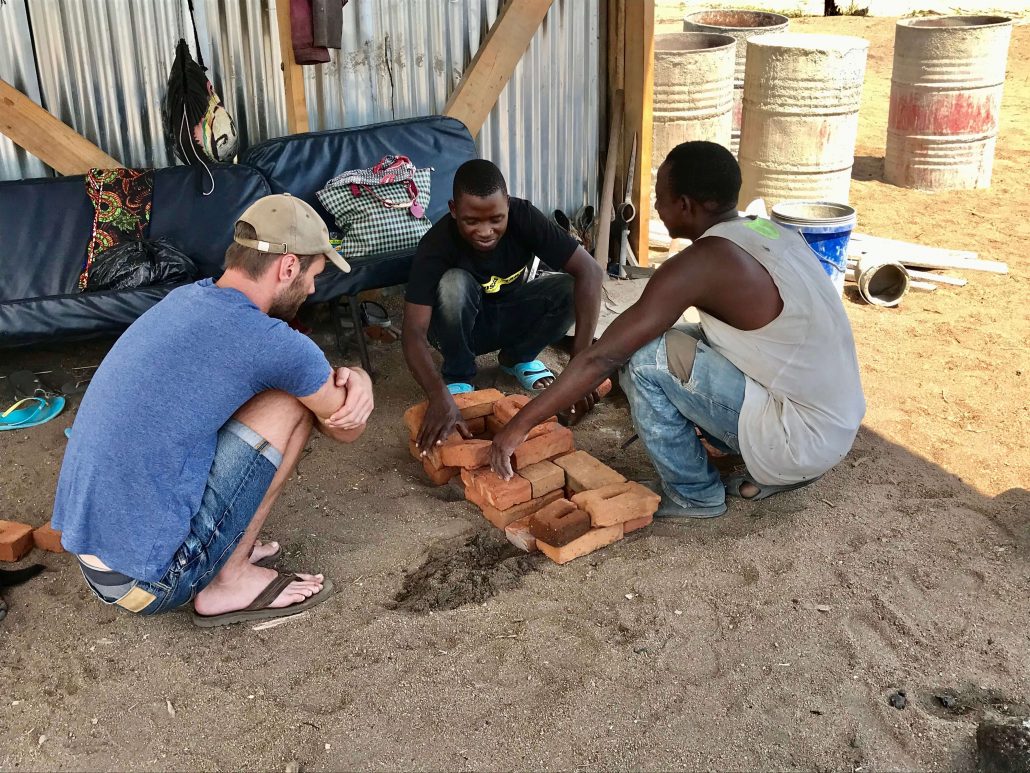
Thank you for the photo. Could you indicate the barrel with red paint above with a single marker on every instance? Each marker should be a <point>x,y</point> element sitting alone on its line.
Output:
<point>945,102</point>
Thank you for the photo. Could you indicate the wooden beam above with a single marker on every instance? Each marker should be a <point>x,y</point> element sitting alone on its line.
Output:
<point>639,85</point>
<point>492,66</point>
<point>53,142</point>
<point>607,208</point>
<point>293,75</point>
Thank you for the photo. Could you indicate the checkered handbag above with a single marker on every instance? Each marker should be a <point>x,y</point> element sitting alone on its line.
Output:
<point>381,209</point>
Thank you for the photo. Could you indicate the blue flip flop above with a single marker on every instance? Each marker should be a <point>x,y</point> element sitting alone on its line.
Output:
<point>528,373</point>
<point>459,388</point>
<point>31,412</point>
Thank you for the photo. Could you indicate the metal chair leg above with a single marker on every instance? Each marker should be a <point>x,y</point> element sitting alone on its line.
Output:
<point>359,333</point>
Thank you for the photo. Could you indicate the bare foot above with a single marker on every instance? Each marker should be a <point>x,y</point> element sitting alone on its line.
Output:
<point>226,594</point>
<point>543,383</point>
<point>748,490</point>
<point>263,550</point>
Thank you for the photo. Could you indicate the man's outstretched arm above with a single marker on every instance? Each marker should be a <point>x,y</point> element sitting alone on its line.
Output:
<point>442,415</point>
<point>674,288</point>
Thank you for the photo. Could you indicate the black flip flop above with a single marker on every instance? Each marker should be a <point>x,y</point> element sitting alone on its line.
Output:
<point>258,609</point>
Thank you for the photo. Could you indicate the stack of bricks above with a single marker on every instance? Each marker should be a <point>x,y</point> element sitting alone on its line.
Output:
<point>17,539</point>
<point>561,502</point>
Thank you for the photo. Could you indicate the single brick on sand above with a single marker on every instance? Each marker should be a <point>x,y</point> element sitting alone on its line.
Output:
<point>583,472</point>
<point>15,540</point>
<point>47,538</point>
<point>588,543</point>
<point>559,523</point>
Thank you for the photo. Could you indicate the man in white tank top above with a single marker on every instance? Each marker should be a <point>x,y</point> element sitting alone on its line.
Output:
<point>770,373</point>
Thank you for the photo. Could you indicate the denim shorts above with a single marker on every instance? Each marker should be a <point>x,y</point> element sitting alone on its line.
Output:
<point>241,473</point>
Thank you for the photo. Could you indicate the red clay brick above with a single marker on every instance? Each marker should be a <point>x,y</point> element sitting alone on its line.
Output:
<point>476,426</point>
<point>583,472</point>
<point>630,506</point>
<point>588,543</point>
<point>618,503</point>
<point>475,404</point>
<point>639,523</point>
<point>604,388</point>
<point>557,441</point>
<point>493,424</point>
<point>544,477</point>
<point>501,493</point>
<point>583,498</point>
<point>465,453</point>
<point>15,540</point>
<point>47,538</point>
<point>559,523</point>
<point>506,408</point>
<point>413,418</point>
<point>501,518</point>
<point>520,536</point>
<point>438,475</point>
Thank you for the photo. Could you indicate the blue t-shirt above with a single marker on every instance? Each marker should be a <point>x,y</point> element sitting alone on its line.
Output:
<point>144,438</point>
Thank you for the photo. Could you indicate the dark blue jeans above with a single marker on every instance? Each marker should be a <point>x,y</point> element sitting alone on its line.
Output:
<point>517,325</point>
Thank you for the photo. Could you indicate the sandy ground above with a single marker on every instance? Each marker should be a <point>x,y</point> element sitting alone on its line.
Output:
<point>770,638</point>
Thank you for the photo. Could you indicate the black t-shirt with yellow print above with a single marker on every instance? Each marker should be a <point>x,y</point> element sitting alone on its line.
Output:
<point>505,267</point>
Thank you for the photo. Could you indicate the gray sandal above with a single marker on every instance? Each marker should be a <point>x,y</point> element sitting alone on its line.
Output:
<point>733,487</point>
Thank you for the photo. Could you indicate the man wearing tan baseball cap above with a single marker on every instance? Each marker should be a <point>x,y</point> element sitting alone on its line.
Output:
<point>192,425</point>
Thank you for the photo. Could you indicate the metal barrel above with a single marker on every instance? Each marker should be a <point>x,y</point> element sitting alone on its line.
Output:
<point>800,121</point>
<point>693,90</point>
<point>741,26</point>
<point>946,101</point>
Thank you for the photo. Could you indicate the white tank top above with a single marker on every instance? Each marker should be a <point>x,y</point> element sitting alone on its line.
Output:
<point>803,399</point>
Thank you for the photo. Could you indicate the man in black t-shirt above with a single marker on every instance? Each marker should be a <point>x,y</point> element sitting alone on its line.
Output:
<point>468,294</point>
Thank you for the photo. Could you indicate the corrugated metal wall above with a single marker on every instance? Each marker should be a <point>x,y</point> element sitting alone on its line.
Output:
<point>103,66</point>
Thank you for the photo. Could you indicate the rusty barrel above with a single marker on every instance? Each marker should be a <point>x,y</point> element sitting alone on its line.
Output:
<point>693,90</point>
<point>741,26</point>
<point>800,121</point>
<point>946,101</point>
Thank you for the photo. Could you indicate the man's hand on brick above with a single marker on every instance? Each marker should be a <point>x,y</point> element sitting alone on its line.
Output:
<point>504,444</point>
<point>442,418</point>
<point>358,405</point>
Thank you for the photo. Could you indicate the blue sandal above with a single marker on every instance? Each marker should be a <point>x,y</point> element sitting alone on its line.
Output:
<point>528,373</point>
<point>459,388</point>
<point>31,412</point>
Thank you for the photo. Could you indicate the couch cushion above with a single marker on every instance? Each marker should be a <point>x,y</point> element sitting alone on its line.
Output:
<point>301,164</point>
<point>46,224</point>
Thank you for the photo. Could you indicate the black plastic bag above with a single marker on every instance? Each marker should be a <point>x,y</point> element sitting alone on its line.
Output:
<point>141,263</point>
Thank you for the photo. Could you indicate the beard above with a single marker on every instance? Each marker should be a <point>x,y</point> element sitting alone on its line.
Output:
<point>288,302</point>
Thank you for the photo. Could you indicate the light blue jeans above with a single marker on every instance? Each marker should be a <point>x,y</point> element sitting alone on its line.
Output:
<point>666,410</point>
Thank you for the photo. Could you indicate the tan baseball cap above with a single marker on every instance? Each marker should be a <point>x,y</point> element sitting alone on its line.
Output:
<point>284,224</point>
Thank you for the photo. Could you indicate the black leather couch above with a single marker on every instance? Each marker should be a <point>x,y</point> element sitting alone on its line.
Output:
<point>45,226</point>
<point>301,164</point>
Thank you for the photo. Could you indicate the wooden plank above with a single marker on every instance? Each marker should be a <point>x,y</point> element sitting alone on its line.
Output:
<point>293,74</point>
<point>53,142</point>
<point>492,66</point>
<point>921,256</point>
<point>607,208</point>
<point>639,77</point>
